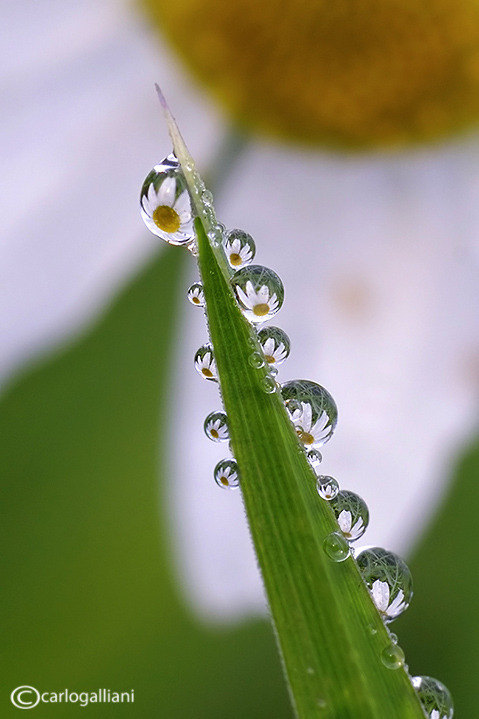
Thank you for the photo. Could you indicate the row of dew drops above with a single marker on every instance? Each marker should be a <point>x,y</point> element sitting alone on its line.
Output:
<point>167,211</point>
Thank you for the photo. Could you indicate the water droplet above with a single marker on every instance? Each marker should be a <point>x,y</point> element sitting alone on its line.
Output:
<point>196,295</point>
<point>165,203</point>
<point>207,197</point>
<point>205,363</point>
<point>227,474</point>
<point>388,579</point>
<point>253,343</point>
<point>256,360</point>
<point>327,487</point>
<point>322,703</point>
<point>310,670</point>
<point>435,698</point>
<point>259,292</point>
<point>239,248</point>
<point>273,370</point>
<point>314,457</point>
<point>336,547</point>
<point>275,344</point>
<point>393,637</point>
<point>216,427</point>
<point>352,514</point>
<point>392,656</point>
<point>216,234</point>
<point>312,410</point>
<point>372,629</point>
<point>268,384</point>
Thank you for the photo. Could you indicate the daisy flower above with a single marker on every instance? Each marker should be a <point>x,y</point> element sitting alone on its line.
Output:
<point>196,295</point>
<point>309,432</point>
<point>259,291</point>
<point>351,531</point>
<point>226,474</point>
<point>239,248</point>
<point>328,488</point>
<point>165,204</point>
<point>381,594</point>
<point>205,363</point>
<point>216,427</point>
<point>351,513</point>
<point>275,344</point>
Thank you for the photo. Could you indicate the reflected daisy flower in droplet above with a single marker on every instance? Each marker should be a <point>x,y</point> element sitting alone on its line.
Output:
<point>239,248</point>
<point>350,531</point>
<point>216,427</point>
<point>259,292</point>
<point>274,353</point>
<point>196,295</point>
<point>381,592</point>
<point>308,432</point>
<point>205,363</point>
<point>166,207</point>
<point>226,474</point>
<point>261,302</point>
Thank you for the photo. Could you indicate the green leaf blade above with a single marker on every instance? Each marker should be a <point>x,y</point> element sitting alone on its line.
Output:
<point>330,634</point>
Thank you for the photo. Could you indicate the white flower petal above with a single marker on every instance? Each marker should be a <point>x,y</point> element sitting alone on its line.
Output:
<point>166,192</point>
<point>380,594</point>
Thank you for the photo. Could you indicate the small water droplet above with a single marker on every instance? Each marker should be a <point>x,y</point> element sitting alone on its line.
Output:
<point>327,487</point>
<point>205,363</point>
<point>216,427</point>
<point>259,292</point>
<point>273,370</point>
<point>275,344</point>
<point>322,703</point>
<point>190,165</point>
<point>315,458</point>
<point>226,474</point>
<point>207,197</point>
<point>253,343</point>
<point>268,384</point>
<point>352,514</point>
<point>435,698</point>
<point>393,637</point>
<point>312,410</point>
<point>392,656</point>
<point>165,203</point>
<point>239,248</point>
<point>372,629</point>
<point>388,579</point>
<point>336,547</point>
<point>256,360</point>
<point>196,295</point>
<point>310,670</point>
<point>215,234</point>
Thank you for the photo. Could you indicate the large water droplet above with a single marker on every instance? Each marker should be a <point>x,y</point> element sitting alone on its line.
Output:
<point>165,203</point>
<point>227,474</point>
<point>259,292</point>
<point>388,579</point>
<point>392,656</point>
<point>312,410</point>
<point>205,363</point>
<point>239,248</point>
<point>216,427</point>
<point>336,547</point>
<point>327,487</point>
<point>352,514</point>
<point>435,698</point>
<point>275,344</point>
<point>196,295</point>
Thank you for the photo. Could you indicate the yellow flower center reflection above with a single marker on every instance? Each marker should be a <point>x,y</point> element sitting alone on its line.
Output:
<point>166,218</point>
<point>235,258</point>
<point>261,310</point>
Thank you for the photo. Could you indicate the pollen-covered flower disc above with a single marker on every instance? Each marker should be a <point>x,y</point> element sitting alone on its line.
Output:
<point>259,291</point>
<point>239,248</point>
<point>435,698</point>
<point>216,427</point>
<point>205,362</point>
<point>388,579</point>
<point>352,514</point>
<point>165,203</point>
<point>275,344</point>
<point>227,474</point>
<point>312,410</point>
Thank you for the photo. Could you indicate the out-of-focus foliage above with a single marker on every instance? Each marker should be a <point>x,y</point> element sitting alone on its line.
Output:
<point>441,631</point>
<point>351,73</point>
<point>88,593</point>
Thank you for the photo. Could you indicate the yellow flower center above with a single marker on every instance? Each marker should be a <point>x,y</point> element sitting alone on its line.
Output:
<point>167,219</point>
<point>196,300</point>
<point>207,372</point>
<point>214,433</point>
<point>261,310</point>
<point>224,481</point>
<point>235,259</point>
<point>270,359</point>
<point>305,437</point>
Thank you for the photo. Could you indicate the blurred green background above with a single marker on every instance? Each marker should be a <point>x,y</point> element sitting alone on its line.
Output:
<point>90,593</point>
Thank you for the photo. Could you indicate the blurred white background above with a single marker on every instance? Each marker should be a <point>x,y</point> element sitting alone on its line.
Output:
<point>379,256</point>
